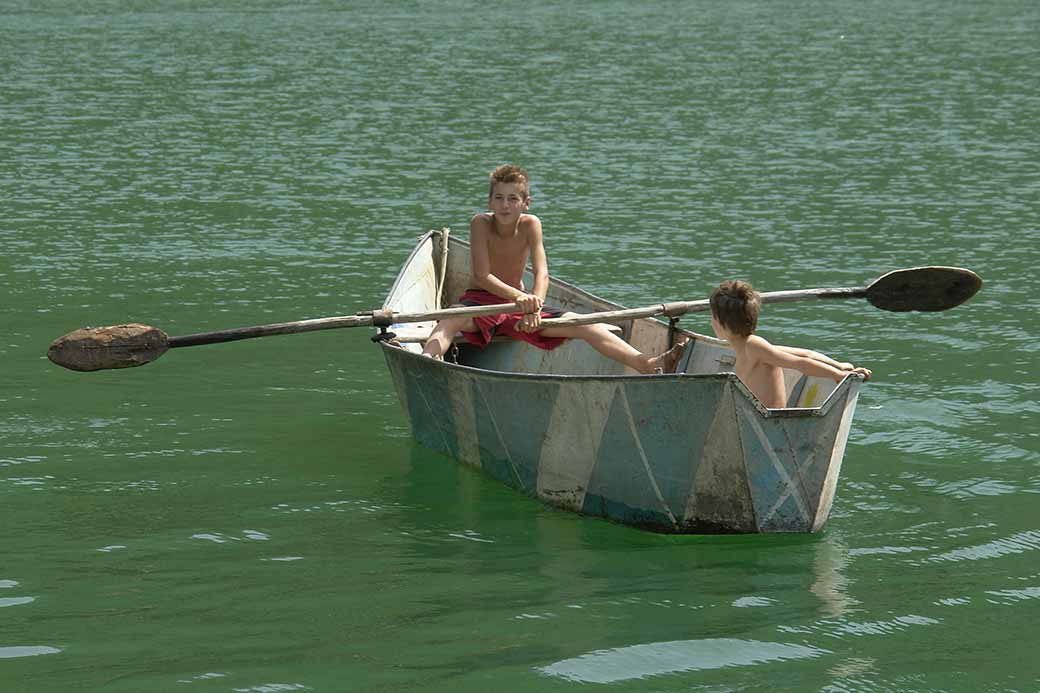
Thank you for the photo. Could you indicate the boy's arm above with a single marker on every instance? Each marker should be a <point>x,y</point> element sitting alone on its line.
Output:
<point>539,263</point>
<point>532,321</point>
<point>803,360</point>
<point>808,353</point>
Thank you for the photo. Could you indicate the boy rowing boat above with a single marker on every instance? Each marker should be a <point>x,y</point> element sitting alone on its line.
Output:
<point>502,242</point>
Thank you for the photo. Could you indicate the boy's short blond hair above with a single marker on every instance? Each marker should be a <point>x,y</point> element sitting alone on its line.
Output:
<point>735,304</point>
<point>511,173</point>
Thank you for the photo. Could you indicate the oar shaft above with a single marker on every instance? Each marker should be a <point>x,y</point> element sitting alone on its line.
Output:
<point>461,312</point>
<point>809,294</point>
<point>360,320</point>
<point>235,334</point>
<point>682,307</point>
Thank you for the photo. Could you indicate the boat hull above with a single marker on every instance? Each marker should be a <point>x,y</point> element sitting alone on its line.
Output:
<point>672,453</point>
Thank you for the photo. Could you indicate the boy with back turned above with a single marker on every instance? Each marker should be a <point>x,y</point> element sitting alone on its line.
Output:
<point>734,317</point>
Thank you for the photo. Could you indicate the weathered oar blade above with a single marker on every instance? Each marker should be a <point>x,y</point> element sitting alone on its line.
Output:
<point>923,288</point>
<point>116,346</point>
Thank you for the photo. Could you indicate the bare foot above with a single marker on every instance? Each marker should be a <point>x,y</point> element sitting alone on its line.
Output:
<point>666,362</point>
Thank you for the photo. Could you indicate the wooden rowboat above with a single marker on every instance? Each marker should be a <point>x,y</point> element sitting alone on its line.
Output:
<point>688,452</point>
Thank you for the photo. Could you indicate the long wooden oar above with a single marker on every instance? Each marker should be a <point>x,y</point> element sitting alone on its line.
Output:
<point>134,344</point>
<point>124,346</point>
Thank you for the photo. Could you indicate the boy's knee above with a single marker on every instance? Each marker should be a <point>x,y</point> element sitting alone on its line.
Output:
<point>600,328</point>
<point>453,322</point>
<point>453,325</point>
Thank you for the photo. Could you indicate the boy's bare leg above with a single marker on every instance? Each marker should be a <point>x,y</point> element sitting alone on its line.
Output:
<point>443,334</point>
<point>613,347</point>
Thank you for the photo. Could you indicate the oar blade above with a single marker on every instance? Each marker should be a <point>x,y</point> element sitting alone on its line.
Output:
<point>102,348</point>
<point>923,289</point>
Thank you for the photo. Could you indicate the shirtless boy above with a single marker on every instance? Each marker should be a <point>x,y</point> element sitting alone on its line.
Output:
<point>734,317</point>
<point>501,244</point>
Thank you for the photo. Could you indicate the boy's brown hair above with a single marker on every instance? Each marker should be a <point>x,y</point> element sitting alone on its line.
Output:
<point>511,173</point>
<point>735,304</point>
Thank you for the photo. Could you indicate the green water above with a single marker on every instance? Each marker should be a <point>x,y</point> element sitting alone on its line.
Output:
<point>255,516</point>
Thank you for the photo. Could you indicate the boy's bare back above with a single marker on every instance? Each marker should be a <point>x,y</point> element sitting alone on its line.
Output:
<point>764,379</point>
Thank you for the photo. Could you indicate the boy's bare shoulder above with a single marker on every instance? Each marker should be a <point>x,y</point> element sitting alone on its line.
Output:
<point>757,347</point>
<point>530,224</point>
<point>758,342</point>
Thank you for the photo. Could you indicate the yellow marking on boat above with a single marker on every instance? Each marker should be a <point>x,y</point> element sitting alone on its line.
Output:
<point>809,398</point>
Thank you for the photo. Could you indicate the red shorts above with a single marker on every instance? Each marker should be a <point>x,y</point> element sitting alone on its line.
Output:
<point>505,323</point>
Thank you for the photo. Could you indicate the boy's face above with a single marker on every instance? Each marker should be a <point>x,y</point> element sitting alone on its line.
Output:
<point>507,200</point>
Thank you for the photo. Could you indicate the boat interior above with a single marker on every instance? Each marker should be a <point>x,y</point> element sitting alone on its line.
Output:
<point>433,279</point>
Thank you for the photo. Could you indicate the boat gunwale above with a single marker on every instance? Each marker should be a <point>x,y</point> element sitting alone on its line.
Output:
<point>785,412</point>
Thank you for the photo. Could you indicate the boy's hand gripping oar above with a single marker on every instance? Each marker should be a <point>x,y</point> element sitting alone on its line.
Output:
<point>123,346</point>
<point>917,288</point>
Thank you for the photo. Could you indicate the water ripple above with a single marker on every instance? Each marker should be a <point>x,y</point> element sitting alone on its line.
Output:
<point>1013,596</point>
<point>966,488</point>
<point>837,629</point>
<point>655,659</point>
<point>26,651</point>
<point>888,550</point>
<point>1017,543</point>
<point>219,538</point>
